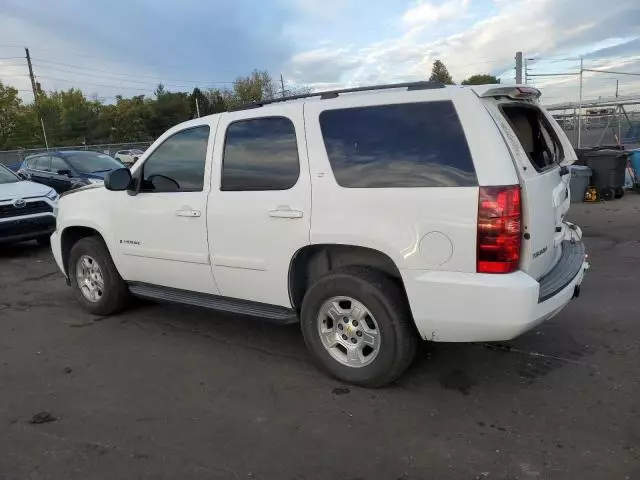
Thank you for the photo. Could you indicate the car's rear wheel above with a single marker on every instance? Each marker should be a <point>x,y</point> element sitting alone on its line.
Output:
<point>95,279</point>
<point>357,324</point>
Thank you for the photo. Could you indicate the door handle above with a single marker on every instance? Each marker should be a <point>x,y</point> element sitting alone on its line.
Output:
<point>188,212</point>
<point>285,212</point>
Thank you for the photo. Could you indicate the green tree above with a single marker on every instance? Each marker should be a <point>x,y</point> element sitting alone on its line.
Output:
<point>10,114</point>
<point>481,79</point>
<point>202,104</point>
<point>217,100</point>
<point>439,73</point>
<point>130,118</point>
<point>168,109</point>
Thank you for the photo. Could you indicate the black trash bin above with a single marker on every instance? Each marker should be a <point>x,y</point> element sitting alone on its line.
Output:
<point>608,167</point>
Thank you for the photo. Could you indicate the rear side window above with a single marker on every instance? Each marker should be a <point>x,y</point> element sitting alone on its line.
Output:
<point>260,154</point>
<point>401,145</point>
<point>43,164</point>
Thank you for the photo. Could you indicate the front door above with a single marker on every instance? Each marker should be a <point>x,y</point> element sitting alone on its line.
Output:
<point>61,182</point>
<point>259,209</point>
<point>161,232</point>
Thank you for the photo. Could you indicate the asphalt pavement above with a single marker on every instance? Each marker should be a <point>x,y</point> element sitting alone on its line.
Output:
<point>171,392</point>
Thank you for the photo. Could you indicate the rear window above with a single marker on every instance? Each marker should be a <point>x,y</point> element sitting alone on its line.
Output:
<point>401,145</point>
<point>535,134</point>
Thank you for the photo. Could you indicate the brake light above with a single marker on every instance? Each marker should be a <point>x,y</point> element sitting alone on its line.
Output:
<point>499,229</point>
<point>517,93</point>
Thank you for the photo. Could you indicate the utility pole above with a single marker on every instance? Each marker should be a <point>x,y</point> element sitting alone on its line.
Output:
<point>197,107</point>
<point>580,103</point>
<point>518,68</point>
<point>282,85</point>
<point>617,85</point>
<point>35,97</point>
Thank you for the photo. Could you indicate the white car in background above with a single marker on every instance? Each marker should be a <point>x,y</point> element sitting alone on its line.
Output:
<point>27,209</point>
<point>129,157</point>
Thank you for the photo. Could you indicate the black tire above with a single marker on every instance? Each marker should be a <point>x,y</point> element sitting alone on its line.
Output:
<point>607,193</point>
<point>386,302</point>
<point>619,192</point>
<point>44,240</point>
<point>115,294</point>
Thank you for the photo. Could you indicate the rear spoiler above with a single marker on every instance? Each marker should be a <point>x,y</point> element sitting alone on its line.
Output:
<point>516,92</point>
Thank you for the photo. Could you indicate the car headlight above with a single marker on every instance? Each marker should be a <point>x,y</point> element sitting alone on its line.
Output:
<point>95,180</point>
<point>53,195</point>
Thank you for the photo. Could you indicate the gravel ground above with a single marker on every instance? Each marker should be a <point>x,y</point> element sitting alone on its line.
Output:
<point>169,392</point>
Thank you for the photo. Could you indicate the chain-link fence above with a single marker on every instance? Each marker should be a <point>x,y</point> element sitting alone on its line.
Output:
<point>12,158</point>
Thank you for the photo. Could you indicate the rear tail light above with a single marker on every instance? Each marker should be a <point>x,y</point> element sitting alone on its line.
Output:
<point>499,229</point>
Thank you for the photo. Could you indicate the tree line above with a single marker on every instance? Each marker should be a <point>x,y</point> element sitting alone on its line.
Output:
<point>72,118</point>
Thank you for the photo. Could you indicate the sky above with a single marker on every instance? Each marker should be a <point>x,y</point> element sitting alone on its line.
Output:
<point>127,46</point>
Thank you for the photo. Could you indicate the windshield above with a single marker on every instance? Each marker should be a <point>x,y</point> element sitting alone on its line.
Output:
<point>137,152</point>
<point>92,162</point>
<point>7,176</point>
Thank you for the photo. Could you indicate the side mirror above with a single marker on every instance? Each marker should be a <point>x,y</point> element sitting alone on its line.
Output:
<point>64,172</point>
<point>118,180</point>
<point>23,175</point>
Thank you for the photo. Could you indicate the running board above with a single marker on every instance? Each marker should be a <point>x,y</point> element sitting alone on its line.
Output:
<point>265,311</point>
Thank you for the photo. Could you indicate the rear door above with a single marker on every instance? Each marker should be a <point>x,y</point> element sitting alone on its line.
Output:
<point>41,170</point>
<point>259,208</point>
<point>539,148</point>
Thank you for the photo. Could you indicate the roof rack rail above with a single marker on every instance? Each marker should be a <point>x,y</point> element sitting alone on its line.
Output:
<point>421,85</point>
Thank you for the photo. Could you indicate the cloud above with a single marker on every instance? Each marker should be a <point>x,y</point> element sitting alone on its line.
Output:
<point>625,48</point>
<point>487,44</point>
<point>427,12</point>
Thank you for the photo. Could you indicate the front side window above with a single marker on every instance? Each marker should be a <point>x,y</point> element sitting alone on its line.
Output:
<point>58,164</point>
<point>177,165</point>
<point>260,154</point>
<point>401,145</point>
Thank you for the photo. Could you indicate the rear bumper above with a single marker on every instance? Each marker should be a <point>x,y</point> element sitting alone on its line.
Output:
<point>473,307</point>
<point>23,229</point>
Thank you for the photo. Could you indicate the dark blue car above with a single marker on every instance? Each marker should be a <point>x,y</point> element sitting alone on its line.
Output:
<point>65,170</point>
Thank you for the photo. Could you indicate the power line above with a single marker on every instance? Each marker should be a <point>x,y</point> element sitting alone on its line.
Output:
<point>95,84</point>
<point>157,79</point>
<point>611,72</point>
<point>129,74</point>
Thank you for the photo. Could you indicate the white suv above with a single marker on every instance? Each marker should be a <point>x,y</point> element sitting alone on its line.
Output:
<point>373,216</point>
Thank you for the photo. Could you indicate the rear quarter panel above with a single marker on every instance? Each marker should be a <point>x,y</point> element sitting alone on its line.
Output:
<point>418,228</point>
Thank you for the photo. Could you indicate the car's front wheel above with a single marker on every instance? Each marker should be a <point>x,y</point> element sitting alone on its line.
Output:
<point>95,279</point>
<point>357,324</point>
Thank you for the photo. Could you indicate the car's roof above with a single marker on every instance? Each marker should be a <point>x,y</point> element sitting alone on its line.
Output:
<point>63,153</point>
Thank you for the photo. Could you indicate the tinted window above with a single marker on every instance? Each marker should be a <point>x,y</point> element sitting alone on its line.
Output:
<point>178,164</point>
<point>260,154</point>
<point>31,162</point>
<point>92,162</point>
<point>58,164</point>
<point>43,163</point>
<point>404,145</point>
